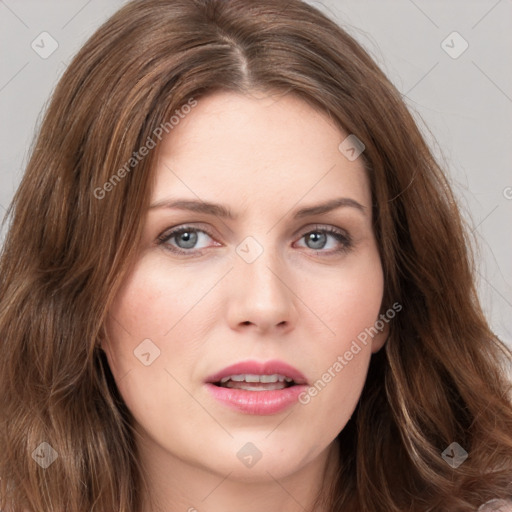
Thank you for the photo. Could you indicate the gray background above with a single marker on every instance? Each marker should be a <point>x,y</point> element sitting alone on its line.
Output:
<point>462,104</point>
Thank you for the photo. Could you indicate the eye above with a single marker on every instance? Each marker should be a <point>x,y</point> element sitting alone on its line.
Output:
<point>184,238</point>
<point>188,240</point>
<point>318,240</point>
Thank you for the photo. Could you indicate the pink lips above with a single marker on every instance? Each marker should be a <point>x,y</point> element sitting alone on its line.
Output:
<point>258,402</point>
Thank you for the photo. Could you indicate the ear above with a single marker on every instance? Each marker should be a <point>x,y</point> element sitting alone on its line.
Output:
<point>102,340</point>
<point>380,338</point>
<point>101,344</point>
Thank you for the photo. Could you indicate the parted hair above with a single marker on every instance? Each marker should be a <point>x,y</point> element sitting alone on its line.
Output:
<point>442,374</point>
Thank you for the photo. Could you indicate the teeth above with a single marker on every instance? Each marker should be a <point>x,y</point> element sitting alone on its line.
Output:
<point>247,386</point>
<point>247,377</point>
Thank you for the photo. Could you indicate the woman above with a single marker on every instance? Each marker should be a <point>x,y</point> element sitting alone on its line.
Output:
<point>235,278</point>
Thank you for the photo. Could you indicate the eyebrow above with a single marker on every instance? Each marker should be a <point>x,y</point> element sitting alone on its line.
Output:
<point>224,212</point>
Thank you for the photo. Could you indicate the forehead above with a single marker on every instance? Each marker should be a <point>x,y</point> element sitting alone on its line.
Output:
<point>257,148</point>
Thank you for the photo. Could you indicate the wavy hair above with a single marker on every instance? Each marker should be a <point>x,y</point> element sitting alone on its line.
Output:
<point>442,376</point>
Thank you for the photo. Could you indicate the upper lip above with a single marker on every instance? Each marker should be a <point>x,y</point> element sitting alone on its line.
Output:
<point>259,368</point>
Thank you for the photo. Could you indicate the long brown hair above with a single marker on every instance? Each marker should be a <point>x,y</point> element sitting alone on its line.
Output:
<point>73,233</point>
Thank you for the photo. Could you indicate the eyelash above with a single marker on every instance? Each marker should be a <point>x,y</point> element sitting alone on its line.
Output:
<point>340,236</point>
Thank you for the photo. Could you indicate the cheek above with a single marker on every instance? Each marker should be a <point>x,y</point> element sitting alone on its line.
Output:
<point>151,326</point>
<point>153,301</point>
<point>350,301</point>
<point>147,313</point>
<point>351,310</point>
<point>341,366</point>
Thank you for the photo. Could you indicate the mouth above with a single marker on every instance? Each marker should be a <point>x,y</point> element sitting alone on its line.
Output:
<point>252,387</point>
<point>253,382</point>
<point>258,376</point>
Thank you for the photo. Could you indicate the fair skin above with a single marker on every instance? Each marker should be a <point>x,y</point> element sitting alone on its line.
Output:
<point>302,301</point>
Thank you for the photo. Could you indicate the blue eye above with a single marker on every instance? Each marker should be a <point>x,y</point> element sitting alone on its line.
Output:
<point>319,238</point>
<point>185,239</point>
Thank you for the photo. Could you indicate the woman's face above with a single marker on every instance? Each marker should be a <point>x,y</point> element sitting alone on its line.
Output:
<point>283,287</point>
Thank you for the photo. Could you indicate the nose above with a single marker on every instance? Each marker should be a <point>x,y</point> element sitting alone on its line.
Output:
<point>261,297</point>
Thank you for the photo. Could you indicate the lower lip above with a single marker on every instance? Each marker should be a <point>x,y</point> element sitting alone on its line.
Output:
<point>257,402</point>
